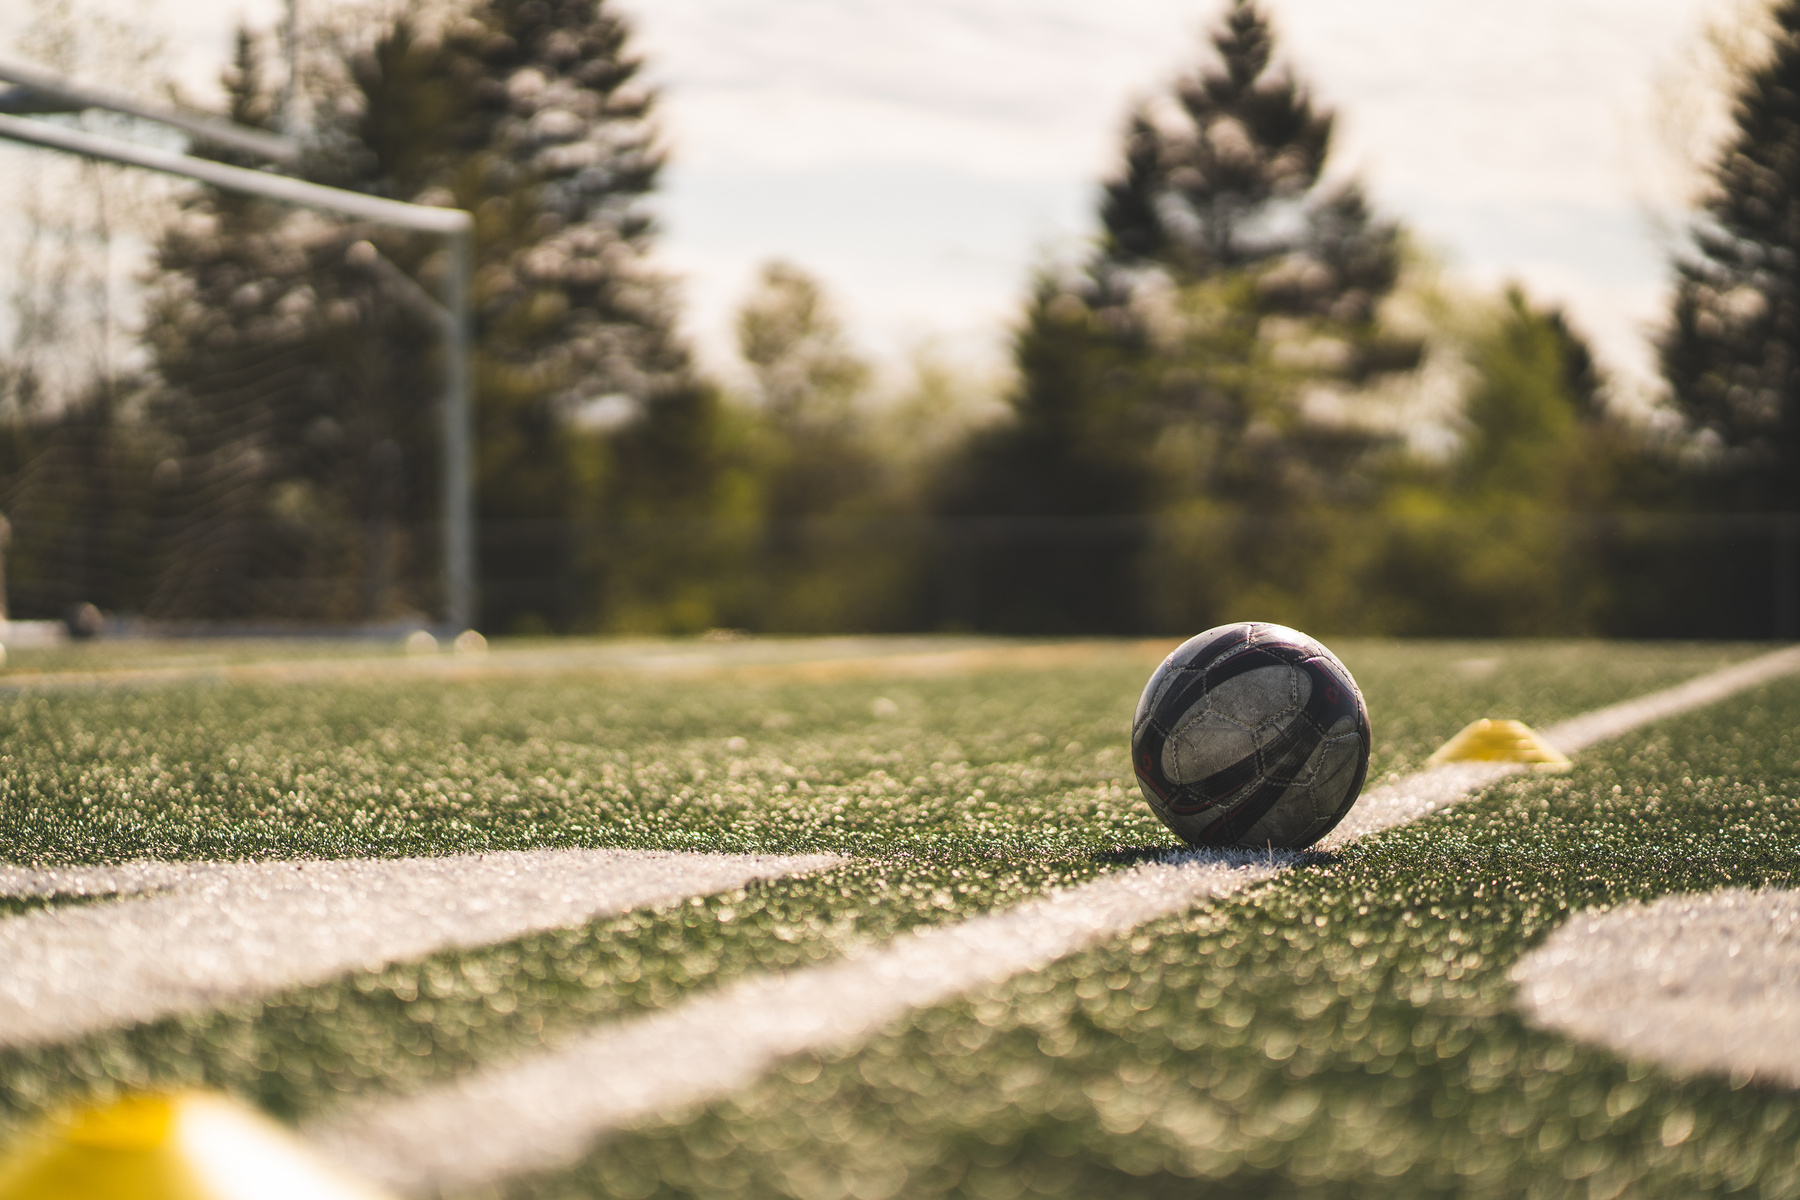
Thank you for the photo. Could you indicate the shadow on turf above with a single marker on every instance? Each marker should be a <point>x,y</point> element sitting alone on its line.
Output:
<point>1131,856</point>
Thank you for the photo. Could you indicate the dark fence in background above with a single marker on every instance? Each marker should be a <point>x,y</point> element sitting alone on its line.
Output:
<point>1623,575</point>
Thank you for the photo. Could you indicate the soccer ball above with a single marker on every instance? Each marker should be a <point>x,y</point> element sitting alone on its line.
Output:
<point>1251,735</point>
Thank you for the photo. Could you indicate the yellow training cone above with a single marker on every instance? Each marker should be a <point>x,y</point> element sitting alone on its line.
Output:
<point>175,1146</point>
<point>1500,741</point>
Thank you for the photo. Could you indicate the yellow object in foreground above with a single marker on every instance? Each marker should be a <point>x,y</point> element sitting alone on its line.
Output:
<point>1500,741</point>
<point>171,1146</point>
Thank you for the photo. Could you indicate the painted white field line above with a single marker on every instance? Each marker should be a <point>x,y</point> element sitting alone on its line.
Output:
<point>1615,719</point>
<point>1427,791</point>
<point>549,1109</point>
<point>208,933</point>
<point>1696,982</point>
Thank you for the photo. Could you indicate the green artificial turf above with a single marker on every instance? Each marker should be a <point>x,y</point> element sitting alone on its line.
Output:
<point>303,1050</point>
<point>1345,1030</point>
<point>372,767</point>
<point>957,793</point>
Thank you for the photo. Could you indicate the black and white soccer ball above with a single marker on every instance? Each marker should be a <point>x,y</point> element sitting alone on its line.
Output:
<point>1251,735</point>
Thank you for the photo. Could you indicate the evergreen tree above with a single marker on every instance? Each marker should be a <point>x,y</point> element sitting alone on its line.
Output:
<point>530,114</point>
<point>1732,351</point>
<point>556,156</point>
<point>301,404</point>
<point>1181,371</point>
<point>1227,177</point>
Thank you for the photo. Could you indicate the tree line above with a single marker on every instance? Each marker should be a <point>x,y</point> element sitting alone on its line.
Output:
<point>1252,398</point>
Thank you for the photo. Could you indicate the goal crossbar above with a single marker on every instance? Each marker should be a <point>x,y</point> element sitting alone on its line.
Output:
<point>217,130</point>
<point>454,225</point>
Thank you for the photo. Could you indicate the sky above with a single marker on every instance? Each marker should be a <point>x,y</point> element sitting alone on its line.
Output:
<point>921,158</point>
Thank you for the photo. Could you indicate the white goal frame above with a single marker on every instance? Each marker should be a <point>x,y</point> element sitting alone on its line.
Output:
<point>455,226</point>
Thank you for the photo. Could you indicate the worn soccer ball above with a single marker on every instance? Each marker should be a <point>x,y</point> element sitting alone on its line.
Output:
<point>1251,735</point>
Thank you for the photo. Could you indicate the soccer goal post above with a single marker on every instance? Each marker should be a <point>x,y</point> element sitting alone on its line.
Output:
<point>454,225</point>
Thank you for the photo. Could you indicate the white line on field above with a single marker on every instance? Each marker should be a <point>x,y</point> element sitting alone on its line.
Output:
<point>1426,791</point>
<point>209,933</point>
<point>545,1110</point>
<point>1615,719</point>
<point>1698,983</point>
<point>549,1109</point>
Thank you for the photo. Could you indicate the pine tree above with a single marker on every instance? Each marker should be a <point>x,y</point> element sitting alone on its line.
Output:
<point>301,405</point>
<point>530,114</point>
<point>556,155</point>
<point>1232,283</point>
<point>1229,178</point>
<point>1731,354</point>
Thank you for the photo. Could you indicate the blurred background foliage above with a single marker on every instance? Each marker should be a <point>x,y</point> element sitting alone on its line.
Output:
<point>1255,397</point>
